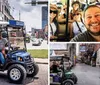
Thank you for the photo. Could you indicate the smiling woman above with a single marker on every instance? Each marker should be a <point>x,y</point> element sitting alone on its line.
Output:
<point>53,22</point>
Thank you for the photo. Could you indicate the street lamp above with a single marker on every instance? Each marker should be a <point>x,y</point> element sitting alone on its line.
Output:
<point>34,2</point>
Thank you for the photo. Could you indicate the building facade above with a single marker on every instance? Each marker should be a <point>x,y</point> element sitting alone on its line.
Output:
<point>37,33</point>
<point>72,52</point>
<point>87,51</point>
<point>44,16</point>
<point>5,11</point>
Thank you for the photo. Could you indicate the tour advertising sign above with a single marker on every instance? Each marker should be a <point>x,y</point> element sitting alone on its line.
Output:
<point>16,23</point>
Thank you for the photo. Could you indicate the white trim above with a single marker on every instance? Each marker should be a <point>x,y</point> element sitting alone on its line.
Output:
<point>4,23</point>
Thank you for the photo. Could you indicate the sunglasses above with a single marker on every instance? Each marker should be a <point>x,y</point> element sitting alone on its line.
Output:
<point>51,11</point>
<point>76,14</point>
<point>64,8</point>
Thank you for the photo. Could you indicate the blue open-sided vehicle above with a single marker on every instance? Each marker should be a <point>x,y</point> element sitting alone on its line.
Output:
<point>18,62</point>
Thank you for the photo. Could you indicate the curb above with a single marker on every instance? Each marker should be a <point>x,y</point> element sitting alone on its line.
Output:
<point>41,62</point>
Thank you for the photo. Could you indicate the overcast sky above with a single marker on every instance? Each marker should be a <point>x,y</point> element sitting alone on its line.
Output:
<point>31,15</point>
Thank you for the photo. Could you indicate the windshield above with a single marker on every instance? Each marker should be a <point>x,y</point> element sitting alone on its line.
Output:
<point>16,38</point>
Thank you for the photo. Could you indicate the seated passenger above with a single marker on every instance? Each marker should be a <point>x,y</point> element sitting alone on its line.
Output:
<point>63,14</point>
<point>78,25</point>
<point>53,22</point>
<point>76,7</point>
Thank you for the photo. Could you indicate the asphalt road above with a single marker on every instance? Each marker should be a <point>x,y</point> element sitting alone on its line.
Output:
<point>40,79</point>
<point>87,75</point>
<point>43,45</point>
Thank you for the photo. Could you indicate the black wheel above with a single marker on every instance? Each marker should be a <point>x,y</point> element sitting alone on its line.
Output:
<point>16,73</point>
<point>68,82</point>
<point>33,71</point>
<point>73,78</point>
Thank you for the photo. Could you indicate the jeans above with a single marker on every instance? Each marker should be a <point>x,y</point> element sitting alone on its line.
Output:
<point>2,59</point>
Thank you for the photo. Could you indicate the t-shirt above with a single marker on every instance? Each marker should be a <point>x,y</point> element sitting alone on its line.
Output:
<point>2,43</point>
<point>52,29</point>
<point>83,37</point>
<point>76,29</point>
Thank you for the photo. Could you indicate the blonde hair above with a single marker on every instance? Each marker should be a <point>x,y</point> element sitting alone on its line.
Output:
<point>54,7</point>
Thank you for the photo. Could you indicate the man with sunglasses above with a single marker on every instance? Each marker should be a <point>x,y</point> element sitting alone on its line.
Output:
<point>92,23</point>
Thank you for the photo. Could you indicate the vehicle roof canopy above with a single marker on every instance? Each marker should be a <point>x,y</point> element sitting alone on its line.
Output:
<point>16,23</point>
<point>12,23</point>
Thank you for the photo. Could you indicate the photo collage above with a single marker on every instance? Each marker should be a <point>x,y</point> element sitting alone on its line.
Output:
<point>49,42</point>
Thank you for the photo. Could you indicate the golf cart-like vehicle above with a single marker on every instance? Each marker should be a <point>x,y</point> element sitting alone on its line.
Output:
<point>62,76</point>
<point>17,62</point>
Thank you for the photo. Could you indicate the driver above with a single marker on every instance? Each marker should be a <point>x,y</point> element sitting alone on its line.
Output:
<point>3,42</point>
<point>54,67</point>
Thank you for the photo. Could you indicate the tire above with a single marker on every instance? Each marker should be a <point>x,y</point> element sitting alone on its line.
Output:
<point>75,79</point>
<point>68,82</point>
<point>33,72</point>
<point>72,77</point>
<point>17,77</point>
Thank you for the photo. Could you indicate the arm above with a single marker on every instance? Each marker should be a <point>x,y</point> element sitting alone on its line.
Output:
<point>61,18</point>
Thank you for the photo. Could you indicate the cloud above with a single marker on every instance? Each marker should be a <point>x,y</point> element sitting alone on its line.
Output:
<point>32,19</point>
<point>31,15</point>
<point>20,5</point>
<point>25,7</point>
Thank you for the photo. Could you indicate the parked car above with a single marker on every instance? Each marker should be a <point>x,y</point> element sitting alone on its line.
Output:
<point>41,39</point>
<point>36,42</point>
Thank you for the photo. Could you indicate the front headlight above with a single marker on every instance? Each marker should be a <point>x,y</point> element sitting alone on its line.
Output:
<point>20,59</point>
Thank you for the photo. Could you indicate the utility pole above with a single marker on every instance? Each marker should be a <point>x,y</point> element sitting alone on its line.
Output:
<point>19,15</point>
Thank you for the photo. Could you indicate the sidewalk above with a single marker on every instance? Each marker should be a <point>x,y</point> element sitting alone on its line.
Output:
<point>41,60</point>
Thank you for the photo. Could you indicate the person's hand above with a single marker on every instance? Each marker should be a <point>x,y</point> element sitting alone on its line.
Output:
<point>53,37</point>
<point>3,51</point>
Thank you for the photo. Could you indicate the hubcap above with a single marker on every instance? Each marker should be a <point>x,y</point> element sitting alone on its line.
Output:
<point>15,74</point>
<point>30,71</point>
